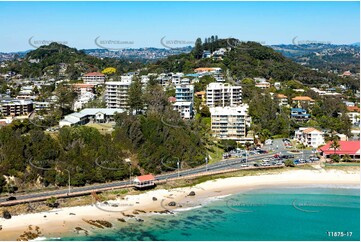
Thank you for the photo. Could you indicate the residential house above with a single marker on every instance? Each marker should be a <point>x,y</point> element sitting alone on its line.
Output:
<point>300,101</point>
<point>281,99</point>
<point>299,114</point>
<point>353,112</point>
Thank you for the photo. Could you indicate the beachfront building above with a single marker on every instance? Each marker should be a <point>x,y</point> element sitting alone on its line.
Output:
<point>230,122</point>
<point>301,101</point>
<point>144,181</point>
<point>15,107</point>
<point>223,94</point>
<point>309,137</point>
<point>116,94</point>
<point>90,115</point>
<point>94,78</point>
<point>351,148</point>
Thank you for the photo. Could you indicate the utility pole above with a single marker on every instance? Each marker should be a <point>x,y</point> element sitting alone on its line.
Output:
<point>178,167</point>
<point>68,181</point>
<point>206,159</point>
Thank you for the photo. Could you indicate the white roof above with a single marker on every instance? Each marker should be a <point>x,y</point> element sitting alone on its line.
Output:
<point>239,110</point>
<point>76,117</point>
<point>182,104</point>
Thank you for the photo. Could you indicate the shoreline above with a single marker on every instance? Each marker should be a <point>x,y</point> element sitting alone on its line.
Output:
<point>63,221</point>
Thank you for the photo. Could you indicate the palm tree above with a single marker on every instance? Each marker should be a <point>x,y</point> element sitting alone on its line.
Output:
<point>335,144</point>
<point>346,158</point>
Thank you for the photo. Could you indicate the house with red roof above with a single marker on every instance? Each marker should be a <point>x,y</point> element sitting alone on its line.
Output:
<point>94,78</point>
<point>144,181</point>
<point>351,148</point>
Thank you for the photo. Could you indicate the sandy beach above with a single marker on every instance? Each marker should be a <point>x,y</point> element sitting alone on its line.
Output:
<point>58,222</point>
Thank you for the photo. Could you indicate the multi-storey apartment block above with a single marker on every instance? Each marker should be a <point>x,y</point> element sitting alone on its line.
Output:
<point>14,107</point>
<point>94,78</point>
<point>230,122</point>
<point>184,95</point>
<point>116,94</point>
<point>223,94</point>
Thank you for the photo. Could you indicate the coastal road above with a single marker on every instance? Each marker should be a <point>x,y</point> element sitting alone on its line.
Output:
<point>222,165</point>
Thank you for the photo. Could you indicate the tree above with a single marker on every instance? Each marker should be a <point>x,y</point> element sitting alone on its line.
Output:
<point>2,183</point>
<point>289,163</point>
<point>335,158</point>
<point>335,144</point>
<point>198,49</point>
<point>346,158</point>
<point>109,71</point>
<point>135,96</point>
<point>65,98</point>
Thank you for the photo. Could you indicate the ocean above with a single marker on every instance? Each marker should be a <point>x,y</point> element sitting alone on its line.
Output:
<point>308,213</point>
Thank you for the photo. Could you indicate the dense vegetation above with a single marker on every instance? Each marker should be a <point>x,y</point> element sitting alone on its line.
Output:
<point>153,141</point>
<point>51,56</point>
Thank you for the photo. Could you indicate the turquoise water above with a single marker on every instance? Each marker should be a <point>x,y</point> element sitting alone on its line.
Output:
<point>265,214</point>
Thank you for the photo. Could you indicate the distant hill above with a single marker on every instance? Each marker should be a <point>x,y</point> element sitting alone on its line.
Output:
<point>246,59</point>
<point>325,57</point>
<point>141,54</point>
<point>57,60</point>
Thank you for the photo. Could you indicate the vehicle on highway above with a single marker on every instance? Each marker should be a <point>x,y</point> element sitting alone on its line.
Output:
<point>10,198</point>
<point>244,165</point>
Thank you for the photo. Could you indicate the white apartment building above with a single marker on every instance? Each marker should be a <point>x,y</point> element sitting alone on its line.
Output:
<point>94,78</point>
<point>184,95</point>
<point>39,106</point>
<point>83,99</point>
<point>223,94</point>
<point>230,122</point>
<point>185,109</point>
<point>116,94</point>
<point>310,137</point>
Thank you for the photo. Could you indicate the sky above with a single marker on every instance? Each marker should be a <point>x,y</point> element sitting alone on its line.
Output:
<point>25,25</point>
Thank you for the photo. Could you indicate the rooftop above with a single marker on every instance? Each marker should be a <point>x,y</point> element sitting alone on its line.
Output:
<point>310,130</point>
<point>353,109</point>
<point>346,147</point>
<point>302,98</point>
<point>94,74</point>
<point>281,96</point>
<point>144,178</point>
